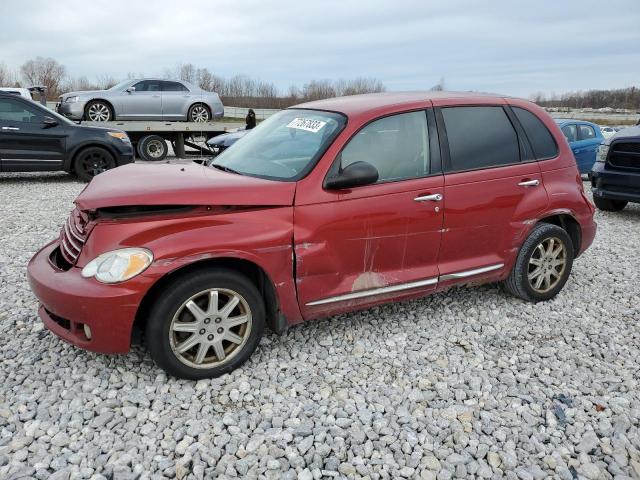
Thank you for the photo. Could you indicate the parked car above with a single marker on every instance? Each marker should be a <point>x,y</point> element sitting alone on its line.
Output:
<point>584,139</point>
<point>33,139</point>
<point>361,200</point>
<point>615,178</point>
<point>143,99</point>
<point>220,143</point>
<point>17,91</point>
<point>608,132</point>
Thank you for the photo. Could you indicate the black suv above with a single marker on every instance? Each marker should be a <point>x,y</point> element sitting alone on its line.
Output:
<point>33,138</point>
<point>615,177</point>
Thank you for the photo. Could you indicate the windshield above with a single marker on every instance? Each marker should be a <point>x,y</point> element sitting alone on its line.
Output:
<point>120,85</point>
<point>283,147</point>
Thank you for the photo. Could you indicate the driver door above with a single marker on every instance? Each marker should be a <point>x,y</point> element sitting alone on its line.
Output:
<point>143,103</point>
<point>378,241</point>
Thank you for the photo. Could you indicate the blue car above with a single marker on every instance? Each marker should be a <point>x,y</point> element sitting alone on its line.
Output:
<point>584,139</point>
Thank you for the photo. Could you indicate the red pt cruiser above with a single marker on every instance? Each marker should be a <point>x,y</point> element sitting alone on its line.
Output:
<point>327,207</point>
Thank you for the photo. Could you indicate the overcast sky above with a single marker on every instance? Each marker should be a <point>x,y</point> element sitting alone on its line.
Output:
<point>513,47</point>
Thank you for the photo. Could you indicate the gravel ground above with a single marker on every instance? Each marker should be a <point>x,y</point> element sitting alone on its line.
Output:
<point>468,384</point>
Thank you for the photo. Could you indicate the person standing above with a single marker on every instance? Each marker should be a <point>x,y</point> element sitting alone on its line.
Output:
<point>251,119</point>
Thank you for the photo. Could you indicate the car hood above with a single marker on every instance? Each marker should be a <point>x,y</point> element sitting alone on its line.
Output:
<point>181,184</point>
<point>227,139</point>
<point>626,133</point>
<point>83,93</point>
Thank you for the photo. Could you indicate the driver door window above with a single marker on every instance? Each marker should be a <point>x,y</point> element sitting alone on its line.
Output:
<point>398,146</point>
<point>13,111</point>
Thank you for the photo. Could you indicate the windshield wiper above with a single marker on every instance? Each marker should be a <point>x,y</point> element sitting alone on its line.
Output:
<point>225,169</point>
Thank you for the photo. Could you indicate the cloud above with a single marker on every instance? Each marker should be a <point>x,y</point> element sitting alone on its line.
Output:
<point>501,46</point>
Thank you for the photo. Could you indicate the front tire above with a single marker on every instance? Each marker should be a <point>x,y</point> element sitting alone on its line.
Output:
<point>93,161</point>
<point>609,205</point>
<point>205,324</point>
<point>199,113</point>
<point>543,264</point>
<point>98,111</point>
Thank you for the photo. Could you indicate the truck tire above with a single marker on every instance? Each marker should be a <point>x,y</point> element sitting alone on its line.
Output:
<point>609,205</point>
<point>152,148</point>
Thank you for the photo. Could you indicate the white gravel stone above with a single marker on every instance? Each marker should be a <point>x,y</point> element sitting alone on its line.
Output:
<point>467,383</point>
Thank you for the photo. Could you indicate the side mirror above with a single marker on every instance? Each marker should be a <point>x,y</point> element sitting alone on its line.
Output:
<point>130,89</point>
<point>355,175</point>
<point>48,122</point>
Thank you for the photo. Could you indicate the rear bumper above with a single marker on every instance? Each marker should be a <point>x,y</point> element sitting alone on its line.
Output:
<point>69,302</point>
<point>614,184</point>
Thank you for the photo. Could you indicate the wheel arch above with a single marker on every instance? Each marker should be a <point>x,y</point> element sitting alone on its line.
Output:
<point>100,99</point>
<point>254,272</point>
<point>569,224</point>
<point>73,154</point>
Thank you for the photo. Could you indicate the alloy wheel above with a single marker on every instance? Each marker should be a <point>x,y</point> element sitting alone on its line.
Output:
<point>210,328</point>
<point>199,114</point>
<point>99,112</point>
<point>94,162</point>
<point>547,264</point>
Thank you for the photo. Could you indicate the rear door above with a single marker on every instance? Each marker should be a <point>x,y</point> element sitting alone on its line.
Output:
<point>378,241</point>
<point>144,103</point>
<point>175,100</point>
<point>584,150</point>
<point>26,142</point>
<point>492,188</point>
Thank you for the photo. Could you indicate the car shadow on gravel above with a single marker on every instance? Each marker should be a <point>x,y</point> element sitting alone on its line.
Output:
<point>39,177</point>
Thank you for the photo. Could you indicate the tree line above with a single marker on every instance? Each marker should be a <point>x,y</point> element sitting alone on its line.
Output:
<point>620,98</point>
<point>239,90</point>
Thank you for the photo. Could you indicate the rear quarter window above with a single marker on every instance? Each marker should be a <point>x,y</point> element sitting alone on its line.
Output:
<point>540,138</point>
<point>480,137</point>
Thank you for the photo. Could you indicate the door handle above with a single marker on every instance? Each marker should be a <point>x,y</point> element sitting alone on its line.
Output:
<point>529,183</point>
<point>10,128</point>
<point>156,96</point>
<point>436,197</point>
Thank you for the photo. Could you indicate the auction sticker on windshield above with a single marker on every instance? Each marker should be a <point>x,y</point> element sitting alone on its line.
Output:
<point>307,124</point>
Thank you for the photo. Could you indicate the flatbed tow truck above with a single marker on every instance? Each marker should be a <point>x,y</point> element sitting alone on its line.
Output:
<point>151,139</point>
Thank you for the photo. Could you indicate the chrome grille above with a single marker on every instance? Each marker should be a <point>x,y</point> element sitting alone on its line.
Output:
<point>73,236</point>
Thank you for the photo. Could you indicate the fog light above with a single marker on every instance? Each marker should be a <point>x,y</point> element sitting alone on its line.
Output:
<point>87,331</point>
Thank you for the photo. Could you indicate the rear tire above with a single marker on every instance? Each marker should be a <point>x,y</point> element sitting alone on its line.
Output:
<point>189,336</point>
<point>152,148</point>
<point>98,111</point>
<point>609,205</point>
<point>199,113</point>
<point>91,162</point>
<point>543,264</point>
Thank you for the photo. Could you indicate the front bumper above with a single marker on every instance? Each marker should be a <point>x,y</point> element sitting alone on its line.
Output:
<point>73,111</point>
<point>68,302</point>
<point>615,184</point>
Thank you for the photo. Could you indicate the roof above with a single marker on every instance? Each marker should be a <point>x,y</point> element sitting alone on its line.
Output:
<point>560,121</point>
<point>354,104</point>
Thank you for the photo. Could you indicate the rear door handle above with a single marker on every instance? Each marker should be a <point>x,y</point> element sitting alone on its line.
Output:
<point>10,128</point>
<point>436,197</point>
<point>529,183</point>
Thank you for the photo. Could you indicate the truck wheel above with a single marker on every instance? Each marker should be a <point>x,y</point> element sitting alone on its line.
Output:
<point>152,148</point>
<point>543,264</point>
<point>91,162</point>
<point>608,205</point>
<point>98,111</point>
<point>199,113</point>
<point>205,324</point>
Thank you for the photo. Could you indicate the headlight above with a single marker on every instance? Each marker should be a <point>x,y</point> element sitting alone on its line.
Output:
<point>121,135</point>
<point>71,99</point>
<point>601,154</point>
<point>118,265</point>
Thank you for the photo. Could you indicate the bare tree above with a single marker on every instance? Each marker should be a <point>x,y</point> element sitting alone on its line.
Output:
<point>438,87</point>
<point>188,73</point>
<point>44,71</point>
<point>7,77</point>
<point>105,82</point>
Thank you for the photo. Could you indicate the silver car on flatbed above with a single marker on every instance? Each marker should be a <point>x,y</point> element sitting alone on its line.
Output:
<point>143,99</point>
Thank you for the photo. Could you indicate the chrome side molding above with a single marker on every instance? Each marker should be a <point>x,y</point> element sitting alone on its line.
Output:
<point>375,291</point>
<point>405,286</point>
<point>470,273</point>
